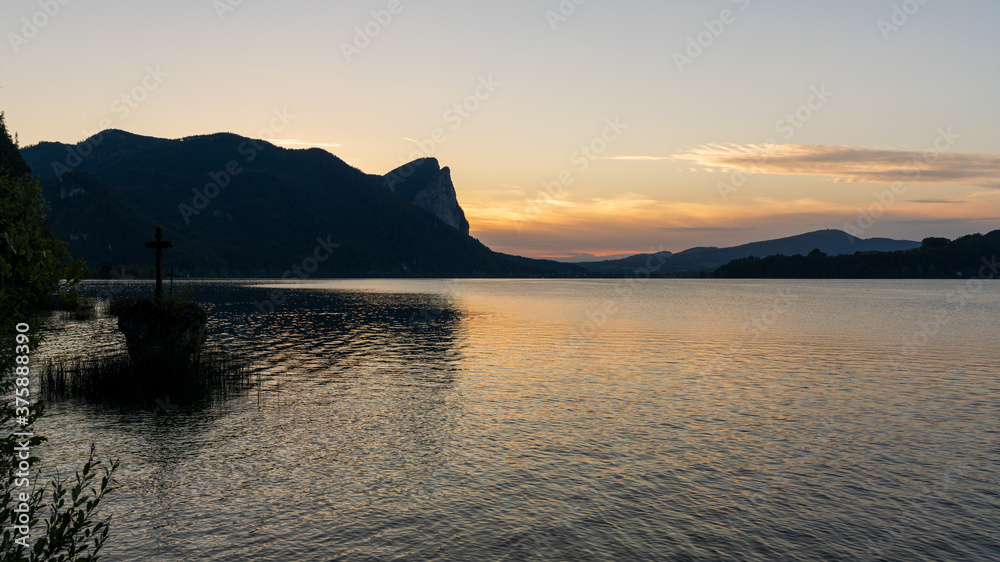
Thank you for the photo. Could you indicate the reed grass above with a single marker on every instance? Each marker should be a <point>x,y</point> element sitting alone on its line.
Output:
<point>207,376</point>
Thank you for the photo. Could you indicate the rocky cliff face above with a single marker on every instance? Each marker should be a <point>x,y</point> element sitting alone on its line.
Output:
<point>427,185</point>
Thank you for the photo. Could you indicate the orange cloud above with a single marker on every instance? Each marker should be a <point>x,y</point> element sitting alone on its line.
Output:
<point>852,164</point>
<point>635,223</point>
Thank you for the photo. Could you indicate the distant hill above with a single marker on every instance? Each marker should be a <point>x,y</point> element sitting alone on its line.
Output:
<point>235,206</point>
<point>832,242</point>
<point>551,266</point>
<point>972,256</point>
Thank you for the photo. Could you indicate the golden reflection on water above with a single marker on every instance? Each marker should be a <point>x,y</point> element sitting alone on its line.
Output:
<point>566,420</point>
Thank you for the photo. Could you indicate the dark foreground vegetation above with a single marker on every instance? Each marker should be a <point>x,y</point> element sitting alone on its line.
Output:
<point>40,520</point>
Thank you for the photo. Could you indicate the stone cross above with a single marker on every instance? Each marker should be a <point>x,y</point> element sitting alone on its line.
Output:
<point>159,245</point>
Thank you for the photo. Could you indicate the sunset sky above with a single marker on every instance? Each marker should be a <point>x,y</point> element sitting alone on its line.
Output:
<point>572,127</point>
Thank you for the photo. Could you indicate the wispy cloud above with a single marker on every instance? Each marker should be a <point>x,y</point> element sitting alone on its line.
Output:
<point>852,164</point>
<point>294,142</point>
<point>638,158</point>
<point>706,229</point>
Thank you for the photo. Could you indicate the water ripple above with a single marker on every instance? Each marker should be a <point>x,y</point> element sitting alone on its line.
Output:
<point>520,420</point>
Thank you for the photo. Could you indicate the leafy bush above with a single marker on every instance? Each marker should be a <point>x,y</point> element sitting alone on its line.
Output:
<point>67,507</point>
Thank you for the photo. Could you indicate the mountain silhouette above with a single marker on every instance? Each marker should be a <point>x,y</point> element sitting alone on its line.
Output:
<point>235,206</point>
<point>832,242</point>
<point>968,257</point>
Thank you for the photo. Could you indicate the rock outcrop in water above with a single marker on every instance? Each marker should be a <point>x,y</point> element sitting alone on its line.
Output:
<point>162,327</point>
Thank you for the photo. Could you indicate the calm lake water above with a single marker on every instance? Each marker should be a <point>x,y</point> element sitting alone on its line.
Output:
<point>564,420</point>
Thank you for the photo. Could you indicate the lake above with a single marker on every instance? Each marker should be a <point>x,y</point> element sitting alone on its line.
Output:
<point>563,420</point>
